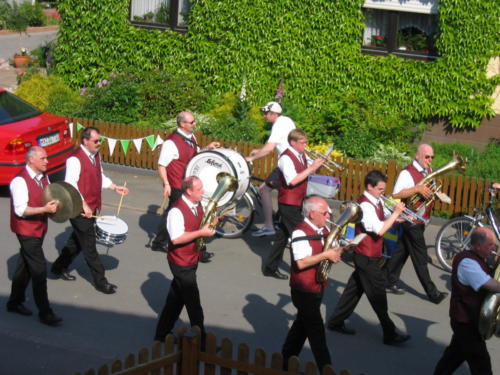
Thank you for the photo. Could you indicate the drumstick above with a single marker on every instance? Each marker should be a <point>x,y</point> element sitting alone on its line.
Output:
<point>121,200</point>
<point>100,217</point>
<point>162,207</point>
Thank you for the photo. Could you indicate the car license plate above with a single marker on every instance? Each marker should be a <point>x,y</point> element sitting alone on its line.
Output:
<point>49,139</point>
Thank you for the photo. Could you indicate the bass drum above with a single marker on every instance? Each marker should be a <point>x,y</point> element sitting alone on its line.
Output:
<point>208,164</point>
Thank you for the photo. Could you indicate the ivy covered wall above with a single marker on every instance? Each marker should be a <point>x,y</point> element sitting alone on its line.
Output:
<point>313,45</point>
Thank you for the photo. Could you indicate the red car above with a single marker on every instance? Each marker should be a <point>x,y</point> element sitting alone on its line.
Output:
<point>22,126</point>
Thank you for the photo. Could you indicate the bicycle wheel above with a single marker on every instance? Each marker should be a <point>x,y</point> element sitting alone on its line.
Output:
<point>452,238</point>
<point>238,219</point>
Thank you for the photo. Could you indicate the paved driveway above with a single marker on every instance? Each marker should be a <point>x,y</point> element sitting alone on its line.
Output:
<point>239,302</point>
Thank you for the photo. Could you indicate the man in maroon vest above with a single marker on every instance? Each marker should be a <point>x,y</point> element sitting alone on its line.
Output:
<point>84,172</point>
<point>368,276</point>
<point>412,241</point>
<point>183,225</point>
<point>471,281</point>
<point>28,220</point>
<point>307,252</point>
<point>176,152</point>
<point>294,170</point>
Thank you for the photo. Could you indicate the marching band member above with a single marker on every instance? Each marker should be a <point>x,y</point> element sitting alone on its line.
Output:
<point>84,172</point>
<point>28,220</point>
<point>307,294</point>
<point>282,125</point>
<point>412,241</point>
<point>183,225</point>
<point>368,276</point>
<point>470,283</point>
<point>294,168</point>
<point>176,152</point>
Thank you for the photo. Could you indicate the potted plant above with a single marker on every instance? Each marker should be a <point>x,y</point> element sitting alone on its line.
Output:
<point>18,22</point>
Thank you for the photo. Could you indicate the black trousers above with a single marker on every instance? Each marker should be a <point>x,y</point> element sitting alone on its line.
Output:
<point>466,345</point>
<point>31,265</point>
<point>412,244</point>
<point>183,292</point>
<point>291,216</point>
<point>83,239</point>
<point>367,278</point>
<point>161,238</point>
<point>308,324</point>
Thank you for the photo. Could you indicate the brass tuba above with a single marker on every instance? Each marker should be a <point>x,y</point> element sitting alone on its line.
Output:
<point>351,213</point>
<point>489,316</point>
<point>226,183</point>
<point>418,203</point>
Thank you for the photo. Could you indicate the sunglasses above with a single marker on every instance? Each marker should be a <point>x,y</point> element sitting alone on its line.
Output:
<point>190,122</point>
<point>429,156</point>
<point>96,141</point>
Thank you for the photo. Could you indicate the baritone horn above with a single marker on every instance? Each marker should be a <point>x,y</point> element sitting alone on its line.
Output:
<point>329,164</point>
<point>408,215</point>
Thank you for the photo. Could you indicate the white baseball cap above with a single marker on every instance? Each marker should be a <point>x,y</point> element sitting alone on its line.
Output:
<point>271,107</point>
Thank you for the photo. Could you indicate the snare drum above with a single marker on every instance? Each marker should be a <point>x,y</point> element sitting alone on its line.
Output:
<point>208,164</point>
<point>111,230</point>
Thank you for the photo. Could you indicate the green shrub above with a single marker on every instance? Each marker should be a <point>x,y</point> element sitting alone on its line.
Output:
<point>5,10</point>
<point>384,153</point>
<point>33,13</point>
<point>487,164</point>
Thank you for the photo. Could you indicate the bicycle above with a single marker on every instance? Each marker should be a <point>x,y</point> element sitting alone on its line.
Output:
<point>454,236</point>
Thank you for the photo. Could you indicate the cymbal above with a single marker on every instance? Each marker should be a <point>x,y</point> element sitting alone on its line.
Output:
<point>69,201</point>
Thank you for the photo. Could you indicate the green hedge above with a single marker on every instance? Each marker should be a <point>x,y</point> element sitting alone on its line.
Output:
<point>314,46</point>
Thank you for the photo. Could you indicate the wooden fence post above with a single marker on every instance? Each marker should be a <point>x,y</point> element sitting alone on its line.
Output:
<point>189,354</point>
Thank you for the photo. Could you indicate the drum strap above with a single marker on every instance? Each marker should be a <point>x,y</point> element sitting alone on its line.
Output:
<point>191,141</point>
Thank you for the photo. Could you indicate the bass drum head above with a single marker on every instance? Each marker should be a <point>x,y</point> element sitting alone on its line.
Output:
<point>208,164</point>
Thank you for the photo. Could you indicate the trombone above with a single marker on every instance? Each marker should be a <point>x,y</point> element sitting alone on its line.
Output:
<point>407,214</point>
<point>329,164</point>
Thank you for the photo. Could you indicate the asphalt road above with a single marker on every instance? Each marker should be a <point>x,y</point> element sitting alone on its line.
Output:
<point>239,302</point>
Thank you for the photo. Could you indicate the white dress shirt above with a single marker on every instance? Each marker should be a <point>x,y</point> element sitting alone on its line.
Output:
<point>19,191</point>
<point>302,248</point>
<point>169,150</point>
<point>175,219</point>
<point>405,180</point>
<point>285,164</point>
<point>470,273</point>
<point>279,133</point>
<point>73,168</point>
<point>370,220</point>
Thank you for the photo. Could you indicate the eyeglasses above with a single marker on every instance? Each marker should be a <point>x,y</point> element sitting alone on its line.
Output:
<point>96,141</point>
<point>429,156</point>
<point>324,213</point>
<point>190,122</point>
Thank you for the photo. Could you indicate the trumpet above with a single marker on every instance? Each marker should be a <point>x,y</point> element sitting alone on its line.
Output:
<point>329,164</point>
<point>408,215</point>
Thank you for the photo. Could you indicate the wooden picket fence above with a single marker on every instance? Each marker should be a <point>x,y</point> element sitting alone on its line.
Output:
<point>466,193</point>
<point>167,358</point>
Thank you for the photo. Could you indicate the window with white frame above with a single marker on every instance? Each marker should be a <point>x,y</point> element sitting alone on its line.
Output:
<point>171,14</point>
<point>408,28</point>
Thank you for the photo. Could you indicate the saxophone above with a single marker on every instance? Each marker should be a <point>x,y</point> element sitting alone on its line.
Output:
<point>489,316</point>
<point>351,213</point>
<point>226,183</point>
<point>418,203</point>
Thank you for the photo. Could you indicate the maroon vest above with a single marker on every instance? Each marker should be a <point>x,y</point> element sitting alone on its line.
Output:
<point>35,225</point>
<point>293,195</point>
<point>373,244</point>
<point>177,167</point>
<point>417,176</point>
<point>185,254</point>
<point>465,302</point>
<point>305,279</point>
<point>90,179</point>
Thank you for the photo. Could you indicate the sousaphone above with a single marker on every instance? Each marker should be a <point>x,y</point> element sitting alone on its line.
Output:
<point>69,201</point>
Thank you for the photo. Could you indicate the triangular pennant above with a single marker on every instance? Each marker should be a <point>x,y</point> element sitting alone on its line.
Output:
<point>125,143</point>
<point>71,129</point>
<point>111,145</point>
<point>151,141</point>
<point>158,142</point>
<point>138,144</point>
<point>79,127</point>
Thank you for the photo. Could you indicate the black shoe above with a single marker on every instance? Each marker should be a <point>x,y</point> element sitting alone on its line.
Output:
<point>50,319</point>
<point>341,328</point>
<point>396,340</point>
<point>19,309</point>
<point>206,257</point>
<point>106,288</point>
<point>64,275</point>
<point>276,274</point>
<point>394,290</point>
<point>438,298</point>
<point>160,248</point>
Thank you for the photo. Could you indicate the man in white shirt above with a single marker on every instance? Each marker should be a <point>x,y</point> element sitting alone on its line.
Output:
<point>412,242</point>
<point>28,220</point>
<point>282,125</point>
<point>84,172</point>
<point>471,282</point>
